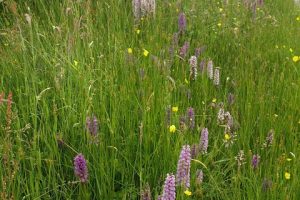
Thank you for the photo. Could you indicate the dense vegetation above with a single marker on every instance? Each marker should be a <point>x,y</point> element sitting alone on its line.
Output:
<point>126,96</point>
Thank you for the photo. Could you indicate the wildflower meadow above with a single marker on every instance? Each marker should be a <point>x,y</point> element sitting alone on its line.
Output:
<point>149,99</point>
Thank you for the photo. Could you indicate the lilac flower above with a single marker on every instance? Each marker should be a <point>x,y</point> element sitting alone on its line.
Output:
<point>210,69</point>
<point>183,167</point>
<point>255,161</point>
<point>199,176</point>
<point>193,67</point>
<point>169,192</point>
<point>191,117</point>
<point>184,49</point>
<point>217,77</point>
<point>160,197</point>
<point>92,125</point>
<point>146,193</point>
<point>80,168</point>
<point>182,22</point>
<point>203,141</point>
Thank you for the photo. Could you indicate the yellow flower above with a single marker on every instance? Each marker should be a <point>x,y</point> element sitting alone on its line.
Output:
<point>227,136</point>
<point>137,31</point>
<point>287,176</point>
<point>145,52</point>
<point>188,193</point>
<point>291,50</point>
<point>221,9</point>
<point>214,100</point>
<point>75,62</point>
<point>298,18</point>
<point>288,159</point>
<point>129,50</point>
<point>296,58</point>
<point>276,46</point>
<point>175,108</point>
<point>219,24</point>
<point>172,129</point>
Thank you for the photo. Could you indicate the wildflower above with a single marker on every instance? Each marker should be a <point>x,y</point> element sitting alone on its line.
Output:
<point>267,184</point>
<point>184,49</point>
<point>269,139</point>
<point>219,24</point>
<point>240,158</point>
<point>227,136</point>
<point>191,117</point>
<point>129,50</point>
<point>221,9</point>
<point>182,22</point>
<point>203,141</point>
<point>138,31</point>
<point>175,109</point>
<point>182,123</point>
<point>214,100</point>
<point>296,58</point>
<point>172,129</point>
<point>92,125</point>
<point>193,67</point>
<point>146,193</point>
<point>298,18</point>
<point>255,161</point>
<point>187,192</point>
<point>221,115</point>
<point>145,52</point>
<point>75,63</point>
<point>288,159</point>
<point>291,50</point>
<point>169,191</point>
<point>80,168</point>
<point>202,65</point>
<point>217,77</point>
<point>276,46</point>
<point>210,69</point>
<point>287,175</point>
<point>142,8</point>
<point>199,177</point>
<point>183,167</point>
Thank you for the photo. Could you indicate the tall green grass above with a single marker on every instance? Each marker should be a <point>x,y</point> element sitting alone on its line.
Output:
<point>71,62</point>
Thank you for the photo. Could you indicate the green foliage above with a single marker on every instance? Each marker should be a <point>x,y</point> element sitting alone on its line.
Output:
<point>66,60</point>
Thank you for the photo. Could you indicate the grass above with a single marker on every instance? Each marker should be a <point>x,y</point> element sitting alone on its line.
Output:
<point>70,62</point>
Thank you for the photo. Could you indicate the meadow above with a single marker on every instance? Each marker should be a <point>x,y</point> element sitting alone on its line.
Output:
<point>184,99</point>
